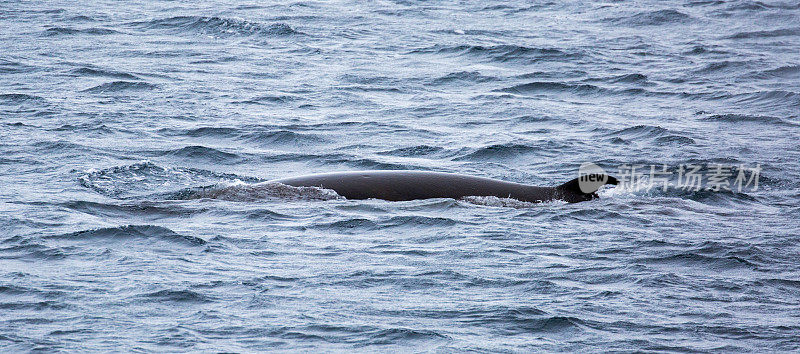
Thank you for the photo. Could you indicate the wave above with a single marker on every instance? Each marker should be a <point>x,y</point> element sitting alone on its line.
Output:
<point>21,98</point>
<point>399,335</point>
<point>370,278</point>
<point>147,179</point>
<point>640,131</point>
<point>474,32</point>
<point>419,221</point>
<point>689,259</point>
<point>197,152</point>
<point>498,151</point>
<point>758,5</point>
<point>502,53</point>
<point>30,250</point>
<point>103,73</point>
<point>270,99</point>
<point>648,133</point>
<point>81,18</point>
<point>68,332</point>
<point>739,250</point>
<point>509,320</point>
<point>14,290</point>
<point>217,26</point>
<point>267,215</point>
<point>177,296</point>
<point>769,98</point>
<point>745,118</point>
<point>61,146</point>
<point>97,31</point>
<point>355,335</point>
<point>766,34</point>
<point>368,79</point>
<point>724,67</point>
<point>570,87</point>
<point>651,18</point>
<point>217,132</point>
<point>414,151</point>
<point>629,78</point>
<point>120,86</point>
<point>763,100</point>
<point>32,291</point>
<point>699,49</point>
<point>85,127</point>
<point>283,137</point>
<point>364,163</point>
<point>350,124</point>
<point>12,67</point>
<point>463,76</point>
<point>142,209</point>
<point>132,232</point>
<point>227,59</point>
<point>634,79</point>
<point>533,87</point>
<point>787,71</point>
<point>260,135</point>
<point>521,319</point>
<point>590,215</point>
<point>301,157</point>
<point>789,284</point>
<point>747,6</point>
<point>348,225</point>
<point>38,306</point>
<point>566,74</point>
<point>362,88</point>
<point>405,252</point>
<point>676,139</point>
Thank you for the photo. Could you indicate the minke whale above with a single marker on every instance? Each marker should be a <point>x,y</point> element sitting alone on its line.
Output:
<point>400,185</point>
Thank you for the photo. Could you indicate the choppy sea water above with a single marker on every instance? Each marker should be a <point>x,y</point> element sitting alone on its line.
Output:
<point>135,138</point>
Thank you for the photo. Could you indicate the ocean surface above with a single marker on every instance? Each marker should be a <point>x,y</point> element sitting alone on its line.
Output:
<point>135,137</point>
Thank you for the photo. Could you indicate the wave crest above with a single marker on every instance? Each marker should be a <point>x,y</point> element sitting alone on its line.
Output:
<point>651,18</point>
<point>130,232</point>
<point>147,179</point>
<point>766,34</point>
<point>119,86</point>
<point>218,26</point>
<point>502,53</point>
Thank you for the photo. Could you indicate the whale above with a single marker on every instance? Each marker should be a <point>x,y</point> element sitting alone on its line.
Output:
<point>403,185</point>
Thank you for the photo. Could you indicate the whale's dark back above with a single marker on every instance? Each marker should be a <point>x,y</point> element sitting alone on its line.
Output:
<point>409,185</point>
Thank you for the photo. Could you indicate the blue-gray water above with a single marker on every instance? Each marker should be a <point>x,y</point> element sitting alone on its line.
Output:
<point>134,138</point>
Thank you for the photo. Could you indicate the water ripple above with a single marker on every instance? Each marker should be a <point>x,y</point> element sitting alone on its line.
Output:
<point>137,141</point>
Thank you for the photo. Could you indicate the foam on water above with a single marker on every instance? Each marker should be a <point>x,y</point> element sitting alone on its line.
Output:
<point>239,191</point>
